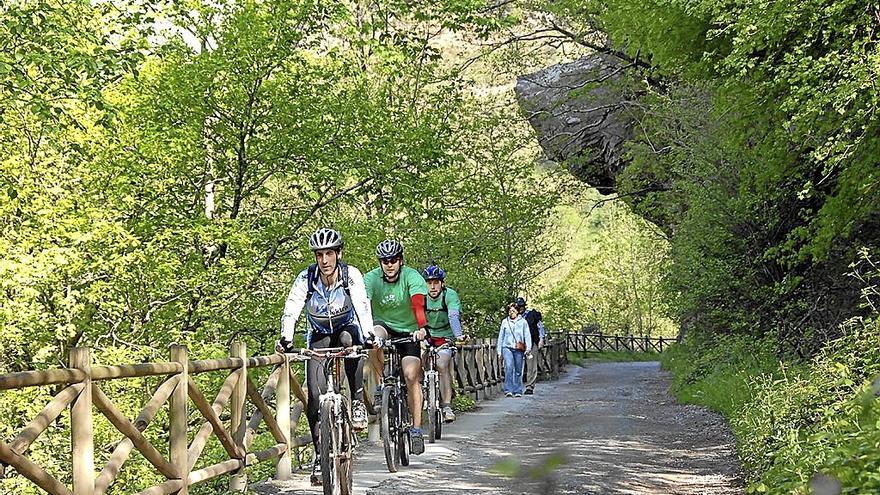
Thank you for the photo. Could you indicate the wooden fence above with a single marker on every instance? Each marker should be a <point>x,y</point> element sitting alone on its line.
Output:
<point>478,372</point>
<point>83,393</point>
<point>590,342</point>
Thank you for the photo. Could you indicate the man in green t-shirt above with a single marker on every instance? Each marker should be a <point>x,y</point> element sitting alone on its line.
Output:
<point>444,324</point>
<point>397,297</point>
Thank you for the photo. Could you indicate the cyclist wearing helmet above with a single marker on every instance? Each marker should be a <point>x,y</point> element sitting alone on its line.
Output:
<point>338,315</point>
<point>397,297</point>
<point>444,323</point>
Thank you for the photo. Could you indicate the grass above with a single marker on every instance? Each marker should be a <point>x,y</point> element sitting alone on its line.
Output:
<point>799,423</point>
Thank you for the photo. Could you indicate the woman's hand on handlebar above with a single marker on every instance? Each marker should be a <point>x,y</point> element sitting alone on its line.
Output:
<point>420,334</point>
<point>284,345</point>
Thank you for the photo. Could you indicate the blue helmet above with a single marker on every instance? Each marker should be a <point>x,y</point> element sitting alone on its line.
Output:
<point>433,272</point>
<point>520,302</point>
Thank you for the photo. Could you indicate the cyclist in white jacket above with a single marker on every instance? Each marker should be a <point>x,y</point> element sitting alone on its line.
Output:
<point>338,315</point>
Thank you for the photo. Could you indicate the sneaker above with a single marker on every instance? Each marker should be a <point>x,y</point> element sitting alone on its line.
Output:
<point>448,414</point>
<point>316,478</point>
<point>529,391</point>
<point>517,395</point>
<point>416,441</point>
<point>508,394</point>
<point>358,415</point>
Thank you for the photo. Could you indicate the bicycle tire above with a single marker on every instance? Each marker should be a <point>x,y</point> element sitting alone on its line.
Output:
<point>404,447</point>
<point>431,410</point>
<point>389,429</point>
<point>326,442</point>
<point>439,420</point>
<point>403,435</point>
<point>345,463</point>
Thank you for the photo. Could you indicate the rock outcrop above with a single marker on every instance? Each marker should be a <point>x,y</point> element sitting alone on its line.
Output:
<point>578,110</point>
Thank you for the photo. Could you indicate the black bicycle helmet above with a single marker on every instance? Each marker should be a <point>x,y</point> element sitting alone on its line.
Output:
<point>389,248</point>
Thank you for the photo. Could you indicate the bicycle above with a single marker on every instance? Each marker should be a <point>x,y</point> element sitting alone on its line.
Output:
<point>396,416</point>
<point>336,438</point>
<point>434,413</point>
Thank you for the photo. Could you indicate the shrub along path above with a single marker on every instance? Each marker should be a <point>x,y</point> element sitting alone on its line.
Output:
<point>613,427</point>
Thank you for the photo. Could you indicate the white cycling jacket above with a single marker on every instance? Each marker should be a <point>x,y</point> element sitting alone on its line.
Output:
<point>329,308</point>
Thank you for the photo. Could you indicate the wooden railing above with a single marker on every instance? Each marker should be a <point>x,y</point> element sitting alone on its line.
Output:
<point>83,393</point>
<point>590,342</point>
<point>478,372</point>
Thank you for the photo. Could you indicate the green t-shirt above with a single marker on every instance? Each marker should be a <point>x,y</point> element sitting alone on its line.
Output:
<point>391,302</point>
<point>438,318</point>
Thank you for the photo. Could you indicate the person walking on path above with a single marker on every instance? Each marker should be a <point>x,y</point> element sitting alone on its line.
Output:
<point>533,357</point>
<point>514,341</point>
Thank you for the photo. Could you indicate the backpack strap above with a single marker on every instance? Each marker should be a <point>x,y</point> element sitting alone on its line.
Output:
<point>343,272</point>
<point>312,279</point>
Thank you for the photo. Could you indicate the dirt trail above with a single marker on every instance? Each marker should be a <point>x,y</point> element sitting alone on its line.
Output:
<point>614,427</point>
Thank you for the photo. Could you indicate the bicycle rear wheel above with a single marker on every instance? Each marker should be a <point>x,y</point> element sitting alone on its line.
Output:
<point>345,458</point>
<point>389,427</point>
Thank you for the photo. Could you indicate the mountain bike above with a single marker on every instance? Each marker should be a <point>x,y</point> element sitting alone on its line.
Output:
<point>336,438</point>
<point>396,416</point>
<point>433,412</point>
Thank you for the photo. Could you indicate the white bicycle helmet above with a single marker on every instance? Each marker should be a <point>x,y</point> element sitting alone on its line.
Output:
<point>325,238</point>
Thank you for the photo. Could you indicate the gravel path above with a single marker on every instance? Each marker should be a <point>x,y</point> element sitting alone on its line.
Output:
<point>609,428</point>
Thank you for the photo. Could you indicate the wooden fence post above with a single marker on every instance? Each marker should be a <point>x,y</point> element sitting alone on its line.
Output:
<point>472,371</point>
<point>179,416</point>
<point>82,439</point>
<point>238,420</point>
<point>282,417</point>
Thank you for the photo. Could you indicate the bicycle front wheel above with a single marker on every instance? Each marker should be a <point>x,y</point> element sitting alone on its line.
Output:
<point>328,451</point>
<point>389,427</point>
<point>432,409</point>
<point>404,420</point>
<point>345,457</point>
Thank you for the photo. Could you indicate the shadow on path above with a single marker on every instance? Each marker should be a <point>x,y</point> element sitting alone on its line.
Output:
<point>613,426</point>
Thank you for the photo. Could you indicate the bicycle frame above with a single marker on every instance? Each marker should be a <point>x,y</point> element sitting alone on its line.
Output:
<point>431,382</point>
<point>395,412</point>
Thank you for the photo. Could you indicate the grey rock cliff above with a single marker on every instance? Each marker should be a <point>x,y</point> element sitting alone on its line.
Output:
<point>578,110</point>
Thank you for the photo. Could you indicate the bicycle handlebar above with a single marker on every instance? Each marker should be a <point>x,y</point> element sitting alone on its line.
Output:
<point>352,352</point>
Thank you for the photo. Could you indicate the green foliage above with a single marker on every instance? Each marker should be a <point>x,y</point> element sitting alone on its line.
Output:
<point>792,421</point>
<point>610,275</point>
<point>759,148</point>
<point>463,403</point>
<point>717,371</point>
<point>159,187</point>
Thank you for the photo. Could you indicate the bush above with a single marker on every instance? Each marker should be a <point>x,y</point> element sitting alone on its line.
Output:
<point>793,420</point>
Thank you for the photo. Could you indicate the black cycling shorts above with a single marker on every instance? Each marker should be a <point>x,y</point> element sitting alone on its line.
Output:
<point>406,349</point>
<point>335,338</point>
